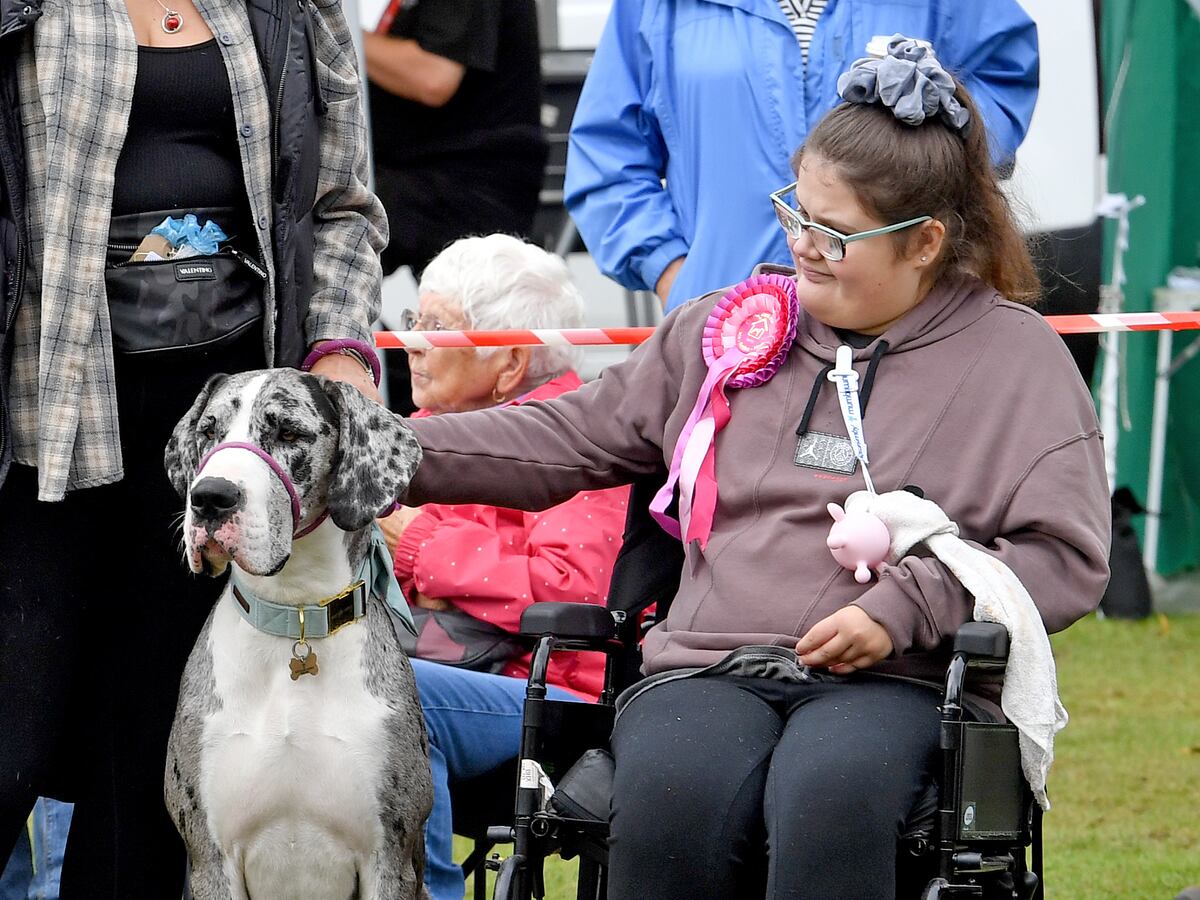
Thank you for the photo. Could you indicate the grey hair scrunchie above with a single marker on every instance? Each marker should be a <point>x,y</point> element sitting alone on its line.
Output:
<point>909,80</point>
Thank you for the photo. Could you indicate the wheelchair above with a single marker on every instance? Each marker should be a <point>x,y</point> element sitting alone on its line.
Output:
<point>968,837</point>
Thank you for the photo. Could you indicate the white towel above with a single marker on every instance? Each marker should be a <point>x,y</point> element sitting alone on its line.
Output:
<point>1030,695</point>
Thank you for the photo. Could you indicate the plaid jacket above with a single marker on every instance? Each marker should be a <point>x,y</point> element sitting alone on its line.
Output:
<point>76,76</point>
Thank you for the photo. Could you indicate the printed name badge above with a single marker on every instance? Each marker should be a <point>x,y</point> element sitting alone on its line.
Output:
<point>827,452</point>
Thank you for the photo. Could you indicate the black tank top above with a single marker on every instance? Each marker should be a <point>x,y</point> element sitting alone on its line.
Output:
<point>181,150</point>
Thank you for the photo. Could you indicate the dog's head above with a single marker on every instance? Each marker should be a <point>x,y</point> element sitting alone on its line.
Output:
<point>339,451</point>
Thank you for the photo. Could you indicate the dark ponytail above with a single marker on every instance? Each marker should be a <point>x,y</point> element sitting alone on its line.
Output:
<point>901,171</point>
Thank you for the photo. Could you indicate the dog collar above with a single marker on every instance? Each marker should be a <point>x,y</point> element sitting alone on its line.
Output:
<point>314,620</point>
<point>328,615</point>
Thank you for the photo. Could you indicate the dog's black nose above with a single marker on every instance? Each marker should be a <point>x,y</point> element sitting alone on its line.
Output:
<point>215,498</point>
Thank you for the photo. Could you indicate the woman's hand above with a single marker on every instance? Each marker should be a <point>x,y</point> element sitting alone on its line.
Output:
<point>845,641</point>
<point>663,288</point>
<point>394,525</point>
<point>427,602</point>
<point>348,369</point>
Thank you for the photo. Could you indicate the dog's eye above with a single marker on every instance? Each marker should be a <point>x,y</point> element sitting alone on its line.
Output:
<point>288,436</point>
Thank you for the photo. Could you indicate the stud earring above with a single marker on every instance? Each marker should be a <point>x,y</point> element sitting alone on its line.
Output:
<point>924,259</point>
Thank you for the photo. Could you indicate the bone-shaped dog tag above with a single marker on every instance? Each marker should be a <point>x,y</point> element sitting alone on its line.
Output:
<point>303,663</point>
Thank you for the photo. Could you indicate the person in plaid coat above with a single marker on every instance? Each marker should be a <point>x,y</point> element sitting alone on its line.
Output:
<point>111,107</point>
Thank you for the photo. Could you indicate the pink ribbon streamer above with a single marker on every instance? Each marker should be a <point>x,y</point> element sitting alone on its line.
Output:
<point>698,434</point>
<point>745,340</point>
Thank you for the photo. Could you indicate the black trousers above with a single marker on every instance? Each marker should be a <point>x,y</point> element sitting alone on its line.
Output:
<point>732,787</point>
<point>98,614</point>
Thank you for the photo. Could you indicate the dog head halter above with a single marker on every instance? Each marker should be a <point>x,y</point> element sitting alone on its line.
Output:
<point>274,466</point>
<point>285,480</point>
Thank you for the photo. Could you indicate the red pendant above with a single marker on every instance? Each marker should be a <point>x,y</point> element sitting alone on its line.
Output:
<point>172,22</point>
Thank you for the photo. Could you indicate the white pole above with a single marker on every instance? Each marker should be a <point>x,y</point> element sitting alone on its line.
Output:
<point>1114,206</point>
<point>1110,343</point>
<point>1158,449</point>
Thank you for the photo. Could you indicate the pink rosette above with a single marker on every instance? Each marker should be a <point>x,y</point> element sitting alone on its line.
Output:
<point>746,339</point>
<point>758,317</point>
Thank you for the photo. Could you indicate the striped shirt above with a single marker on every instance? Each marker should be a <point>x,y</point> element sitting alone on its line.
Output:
<point>802,15</point>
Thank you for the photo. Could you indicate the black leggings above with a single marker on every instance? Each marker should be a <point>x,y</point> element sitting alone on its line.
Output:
<point>98,613</point>
<point>732,787</point>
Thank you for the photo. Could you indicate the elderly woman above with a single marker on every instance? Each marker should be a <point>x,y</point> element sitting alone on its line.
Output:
<point>473,567</point>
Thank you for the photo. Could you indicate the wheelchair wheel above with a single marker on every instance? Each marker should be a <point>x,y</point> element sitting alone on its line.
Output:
<point>506,879</point>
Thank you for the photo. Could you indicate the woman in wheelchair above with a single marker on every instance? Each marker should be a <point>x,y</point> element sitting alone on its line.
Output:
<point>789,771</point>
<point>471,570</point>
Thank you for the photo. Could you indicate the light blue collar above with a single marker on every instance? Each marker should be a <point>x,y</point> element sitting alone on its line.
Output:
<point>376,578</point>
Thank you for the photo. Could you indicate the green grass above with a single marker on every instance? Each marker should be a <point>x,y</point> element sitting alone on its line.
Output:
<point>1126,780</point>
<point>1126,783</point>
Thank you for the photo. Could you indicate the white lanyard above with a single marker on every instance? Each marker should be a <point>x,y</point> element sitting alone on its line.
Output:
<point>846,379</point>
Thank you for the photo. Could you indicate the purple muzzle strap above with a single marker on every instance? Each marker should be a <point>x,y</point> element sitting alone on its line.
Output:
<point>275,467</point>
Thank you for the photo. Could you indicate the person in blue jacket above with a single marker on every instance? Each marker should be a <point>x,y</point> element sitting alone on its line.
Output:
<point>692,108</point>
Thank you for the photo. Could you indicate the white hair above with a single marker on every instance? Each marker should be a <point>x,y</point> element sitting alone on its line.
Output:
<point>500,281</point>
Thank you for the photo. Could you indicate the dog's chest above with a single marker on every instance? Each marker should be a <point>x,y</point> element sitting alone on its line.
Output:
<point>277,750</point>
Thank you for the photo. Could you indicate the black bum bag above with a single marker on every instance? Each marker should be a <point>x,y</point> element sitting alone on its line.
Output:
<point>178,303</point>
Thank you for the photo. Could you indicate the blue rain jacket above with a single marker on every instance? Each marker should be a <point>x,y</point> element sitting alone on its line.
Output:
<point>711,96</point>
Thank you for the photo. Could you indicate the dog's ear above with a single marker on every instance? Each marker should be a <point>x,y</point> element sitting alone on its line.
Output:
<point>182,455</point>
<point>376,457</point>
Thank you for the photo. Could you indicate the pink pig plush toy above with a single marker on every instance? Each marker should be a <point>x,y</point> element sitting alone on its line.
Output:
<point>858,541</point>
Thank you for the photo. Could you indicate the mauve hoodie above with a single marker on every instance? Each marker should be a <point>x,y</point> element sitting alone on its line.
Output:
<point>976,401</point>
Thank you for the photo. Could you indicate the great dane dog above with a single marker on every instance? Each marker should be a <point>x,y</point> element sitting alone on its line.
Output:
<point>298,761</point>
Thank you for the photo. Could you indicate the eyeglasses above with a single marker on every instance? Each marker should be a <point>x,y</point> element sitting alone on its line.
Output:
<point>410,321</point>
<point>830,244</point>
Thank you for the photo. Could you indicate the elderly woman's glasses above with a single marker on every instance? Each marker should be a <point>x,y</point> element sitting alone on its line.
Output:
<point>410,321</point>
<point>829,243</point>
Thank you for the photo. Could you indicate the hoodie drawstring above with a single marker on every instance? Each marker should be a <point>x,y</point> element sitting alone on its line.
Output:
<point>864,393</point>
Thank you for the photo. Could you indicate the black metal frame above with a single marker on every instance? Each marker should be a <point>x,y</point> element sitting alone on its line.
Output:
<point>985,815</point>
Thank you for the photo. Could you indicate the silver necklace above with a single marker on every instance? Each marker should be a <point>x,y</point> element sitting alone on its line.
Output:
<point>172,21</point>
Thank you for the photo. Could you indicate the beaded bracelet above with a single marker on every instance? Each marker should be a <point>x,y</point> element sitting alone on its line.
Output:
<point>359,350</point>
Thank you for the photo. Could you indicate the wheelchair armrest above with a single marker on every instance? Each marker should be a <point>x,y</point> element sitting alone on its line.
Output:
<point>982,641</point>
<point>569,621</point>
<point>981,647</point>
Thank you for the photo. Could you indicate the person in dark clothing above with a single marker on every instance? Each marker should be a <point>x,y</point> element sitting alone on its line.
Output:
<point>455,100</point>
<point>116,115</point>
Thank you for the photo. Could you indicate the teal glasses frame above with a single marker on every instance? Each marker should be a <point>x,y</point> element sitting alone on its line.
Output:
<point>830,244</point>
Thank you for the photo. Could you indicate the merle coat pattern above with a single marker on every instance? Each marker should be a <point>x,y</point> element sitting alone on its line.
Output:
<point>318,787</point>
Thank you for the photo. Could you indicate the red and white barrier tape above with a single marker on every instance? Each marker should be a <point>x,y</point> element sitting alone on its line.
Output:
<point>1143,321</point>
<point>595,337</point>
